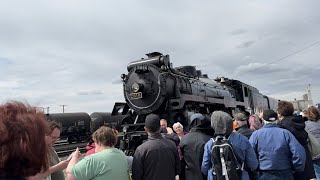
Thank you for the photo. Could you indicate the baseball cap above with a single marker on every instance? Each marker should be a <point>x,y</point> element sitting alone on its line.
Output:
<point>152,121</point>
<point>269,115</point>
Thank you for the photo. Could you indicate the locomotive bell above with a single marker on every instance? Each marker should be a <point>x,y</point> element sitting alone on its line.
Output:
<point>123,76</point>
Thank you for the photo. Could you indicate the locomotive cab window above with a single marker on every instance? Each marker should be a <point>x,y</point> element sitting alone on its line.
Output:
<point>245,91</point>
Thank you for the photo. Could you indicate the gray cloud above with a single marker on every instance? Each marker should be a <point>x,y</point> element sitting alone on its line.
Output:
<point>258,69</point>
<point>53,52</point>
<point>90,92</point>
<point>246,44</point>
<point>238,32</point>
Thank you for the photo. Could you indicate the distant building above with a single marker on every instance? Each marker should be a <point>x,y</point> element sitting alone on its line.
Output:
<point>301,104</point>
<point>305,102</point>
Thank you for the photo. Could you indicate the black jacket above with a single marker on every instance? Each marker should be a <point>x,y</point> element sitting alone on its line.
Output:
<point>173,137</point>
<point>244,130</point>
<point>156,159</point>
<point>192,147</point>
<point>296,125</point>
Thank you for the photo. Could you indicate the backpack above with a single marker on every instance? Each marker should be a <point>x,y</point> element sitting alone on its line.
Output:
<point>225,162</point>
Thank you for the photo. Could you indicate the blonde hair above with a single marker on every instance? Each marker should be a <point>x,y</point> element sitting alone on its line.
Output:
<point>313,113</point>
<point>105,136</point>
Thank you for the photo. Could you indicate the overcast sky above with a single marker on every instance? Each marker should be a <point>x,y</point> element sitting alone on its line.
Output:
<point>72,52</point>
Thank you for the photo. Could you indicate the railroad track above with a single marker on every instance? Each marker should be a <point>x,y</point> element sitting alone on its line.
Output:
<point>60,143</point>
<point>66,149</point>
<point>67,152</point>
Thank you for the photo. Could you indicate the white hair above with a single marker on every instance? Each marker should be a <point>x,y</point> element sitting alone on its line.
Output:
<point>175,125</point>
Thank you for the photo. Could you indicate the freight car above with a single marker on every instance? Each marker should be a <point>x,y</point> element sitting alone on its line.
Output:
<point>75,126</point>
<point>119,114</point>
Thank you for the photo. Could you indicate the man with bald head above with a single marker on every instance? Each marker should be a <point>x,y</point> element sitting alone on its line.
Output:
<point>167,132</point>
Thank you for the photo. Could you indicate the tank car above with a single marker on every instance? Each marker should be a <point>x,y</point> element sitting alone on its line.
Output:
<point>75,126</point>
<point>98,119</point>
<point>114,119</point>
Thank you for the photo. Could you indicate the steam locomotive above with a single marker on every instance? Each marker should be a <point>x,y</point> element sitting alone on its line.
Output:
<point>153,85</point>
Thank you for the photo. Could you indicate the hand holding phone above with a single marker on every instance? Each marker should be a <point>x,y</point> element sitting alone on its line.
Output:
<point>76,154</point>
<point>70,156</point>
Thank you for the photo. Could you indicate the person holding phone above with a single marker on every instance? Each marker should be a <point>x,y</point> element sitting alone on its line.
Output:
<point>55,171</point>
<point>107,163</point>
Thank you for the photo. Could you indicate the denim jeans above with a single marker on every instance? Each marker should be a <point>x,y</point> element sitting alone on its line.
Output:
<point>316,166</point>
<point>276,175</point>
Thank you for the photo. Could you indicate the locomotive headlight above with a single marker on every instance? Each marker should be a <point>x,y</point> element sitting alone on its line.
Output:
<point>135,87</point>
<point>124,129</point>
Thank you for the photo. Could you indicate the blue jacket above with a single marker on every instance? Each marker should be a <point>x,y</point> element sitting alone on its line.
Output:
<point>241,147</point>
<point>277,149</point>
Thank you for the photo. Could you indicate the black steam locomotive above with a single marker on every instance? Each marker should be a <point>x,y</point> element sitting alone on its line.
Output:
<point>153,85</point>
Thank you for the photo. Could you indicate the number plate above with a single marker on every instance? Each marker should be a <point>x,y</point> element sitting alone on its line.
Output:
<point>137,95</point>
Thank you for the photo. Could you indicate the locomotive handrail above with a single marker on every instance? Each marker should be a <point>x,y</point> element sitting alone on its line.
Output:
<point>137,124</point>
<point>158,61</point>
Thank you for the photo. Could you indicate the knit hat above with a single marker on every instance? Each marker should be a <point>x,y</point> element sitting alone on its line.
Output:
<point>221,122</point>
<point>240,117</point>
<point>152,121</point>
<point>269,115</point>
<point>196,116</point>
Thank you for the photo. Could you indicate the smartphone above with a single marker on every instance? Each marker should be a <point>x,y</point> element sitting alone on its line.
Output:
<point>70,156</point>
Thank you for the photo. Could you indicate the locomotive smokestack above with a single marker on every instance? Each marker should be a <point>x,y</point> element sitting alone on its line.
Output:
<point>199,73</point>
<point>154,54</point>
<point>154,58</point>
<point>205,76</point>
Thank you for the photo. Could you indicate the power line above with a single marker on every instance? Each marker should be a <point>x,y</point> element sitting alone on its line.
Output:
<point>280,59</point>
<point>261,37</point>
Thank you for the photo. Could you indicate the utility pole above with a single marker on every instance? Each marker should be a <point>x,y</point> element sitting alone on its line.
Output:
<point>63,105</point>
<point>48,110</point>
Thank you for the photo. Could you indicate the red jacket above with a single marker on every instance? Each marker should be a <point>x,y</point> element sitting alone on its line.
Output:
<point>90,149</point>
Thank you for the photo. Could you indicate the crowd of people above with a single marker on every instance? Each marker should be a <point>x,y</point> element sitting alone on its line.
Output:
<point>271,145</point>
